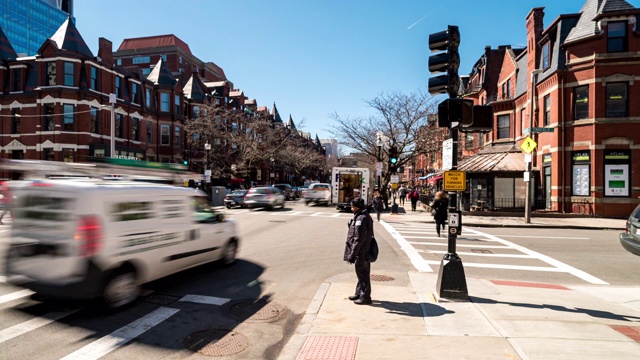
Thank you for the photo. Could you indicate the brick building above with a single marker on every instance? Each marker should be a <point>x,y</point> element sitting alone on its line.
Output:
<point>570,90</point>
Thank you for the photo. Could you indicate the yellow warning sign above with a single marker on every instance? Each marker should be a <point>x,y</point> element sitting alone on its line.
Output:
<point>455,180</point>
<point>528,145</point>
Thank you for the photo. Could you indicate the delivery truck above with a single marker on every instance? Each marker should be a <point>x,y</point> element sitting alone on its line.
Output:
<point>344,182</point>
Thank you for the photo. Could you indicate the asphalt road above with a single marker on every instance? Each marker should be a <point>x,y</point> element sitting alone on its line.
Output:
<point>285,257</point>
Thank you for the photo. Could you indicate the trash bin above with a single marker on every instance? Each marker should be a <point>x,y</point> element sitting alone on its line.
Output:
<point>217,195</point>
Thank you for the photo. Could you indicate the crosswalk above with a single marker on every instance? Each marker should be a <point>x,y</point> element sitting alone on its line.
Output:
<point>480,250</point>
<point>276,213</point>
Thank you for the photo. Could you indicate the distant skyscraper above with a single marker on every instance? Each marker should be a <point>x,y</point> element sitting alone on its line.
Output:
<point>28,23</point>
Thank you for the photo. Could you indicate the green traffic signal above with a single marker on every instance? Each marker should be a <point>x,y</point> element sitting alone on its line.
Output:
<point>393,160</point>
<point>185,162</point>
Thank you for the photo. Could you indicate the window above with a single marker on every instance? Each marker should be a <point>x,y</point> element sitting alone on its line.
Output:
<point>546,55</point>
<point>503,127</point>
<point>164,134</point>
<point>146,71</point>
<point>94,78</point>
<point>149,132</point>
<point>547,110</point>
<point>522,118</point>
<point>135,129</point>
<point>95,120</point>
<point>176,100</point>
<point>134,93</point>
<point>51,74</point>
<point>148,98</point>
<point>164,102</point>
<point>141,60</point>
<point>468,141</point>
<point>581,102</point>
<point>118,125</point>
<point>616,103</point>
<point>67,124</point>
<point>68,155</point>
<point>119,61</point>
<point>15,121</point>
<point>118,87</point>
<point>16,84</point>
<point>49,119</point>
<point>196,112</point>
<point>176,138</point>
<point>617,36</point>
<point>17,154</point>
<point>48,154</point>
<point>69,74</point>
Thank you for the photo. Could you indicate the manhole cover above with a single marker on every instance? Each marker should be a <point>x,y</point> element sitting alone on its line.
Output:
<point>377,277</point>
<point>216,342</point>
<point>258,311</point>
<point>481,251</point>
<point>161,299</point>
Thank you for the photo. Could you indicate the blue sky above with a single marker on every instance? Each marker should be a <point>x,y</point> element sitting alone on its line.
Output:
<point>313,57</point>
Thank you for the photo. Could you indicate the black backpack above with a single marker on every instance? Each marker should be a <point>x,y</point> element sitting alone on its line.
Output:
<point>372,255</point>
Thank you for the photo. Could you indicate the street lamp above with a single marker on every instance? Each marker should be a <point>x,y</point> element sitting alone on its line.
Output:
<point>207,147</point>
<point>112,147</point>
<point>379,156</point>
<point>273,170</point>
<point>527,184</point>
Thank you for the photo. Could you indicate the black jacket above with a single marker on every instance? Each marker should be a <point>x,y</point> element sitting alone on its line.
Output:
<point>378,203</point>
<point>359,236</point>
<point>440,206</point>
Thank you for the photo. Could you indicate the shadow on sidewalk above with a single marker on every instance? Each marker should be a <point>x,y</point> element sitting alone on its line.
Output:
<point>412,309</point>
<point>591,312</point>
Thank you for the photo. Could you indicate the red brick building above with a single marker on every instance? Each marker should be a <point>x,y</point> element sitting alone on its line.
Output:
<point>573,91</point>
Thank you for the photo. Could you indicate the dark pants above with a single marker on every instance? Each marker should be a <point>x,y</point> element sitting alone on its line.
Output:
<point>363,272</point>
<point>438,225</point>
<point>414,203</point>
<point>378,214</point>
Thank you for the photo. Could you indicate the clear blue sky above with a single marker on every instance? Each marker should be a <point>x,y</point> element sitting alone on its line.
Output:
<point>313,57</point>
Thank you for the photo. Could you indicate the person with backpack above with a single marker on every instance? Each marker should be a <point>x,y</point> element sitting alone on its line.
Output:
<point>439,210</point>
<point>356,250</point>
<point>414,196</point>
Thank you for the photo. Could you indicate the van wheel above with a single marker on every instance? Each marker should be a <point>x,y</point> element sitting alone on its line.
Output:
<point>121,289</point>
<point>229,253</point>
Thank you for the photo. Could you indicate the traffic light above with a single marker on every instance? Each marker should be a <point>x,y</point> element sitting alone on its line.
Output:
<point>185,157</point>
<point>481,121</point>
<point>452,111</point>
<point>393,159</point>
<point>447,61</point>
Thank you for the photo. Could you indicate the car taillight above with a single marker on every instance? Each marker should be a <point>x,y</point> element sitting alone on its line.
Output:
<point>89,235</point>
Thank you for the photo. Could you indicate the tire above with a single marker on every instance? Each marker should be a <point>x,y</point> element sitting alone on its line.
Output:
<point>121,289</point>
<point>229,253</point>
<point>228,206</point>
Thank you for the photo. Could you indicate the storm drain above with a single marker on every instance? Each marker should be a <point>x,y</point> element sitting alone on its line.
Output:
<point>216,342</point>
<point>481,251</point>
<point>258,311</point>
<point>378,277</point>
<point>161,299</point>
<point>329,348</point>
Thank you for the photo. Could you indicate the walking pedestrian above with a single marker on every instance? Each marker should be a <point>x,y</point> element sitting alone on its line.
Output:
<point>5,200</point>
<point>378,204</point>
<point>403,194</point>
<point>439,210</point>
<point>414,196</point>
<point>356,249</point>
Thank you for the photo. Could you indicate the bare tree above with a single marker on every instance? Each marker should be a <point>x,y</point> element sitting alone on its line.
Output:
<point>398,116</point>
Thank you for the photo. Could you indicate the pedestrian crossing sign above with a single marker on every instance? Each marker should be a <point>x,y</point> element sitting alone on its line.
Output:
<point>528,145</point>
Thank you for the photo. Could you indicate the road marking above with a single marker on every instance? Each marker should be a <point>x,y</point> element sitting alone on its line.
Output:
<point>516,256</point>
<point>460,245</point>
<point>565,267</point>
<point>416,259</point>
<point>201,299</point>
<point>14,296</point>
<point>547,237</point>
<point>505,267</point>
<point>336,215</point>
<point>3,279</point>
<point>118,338</point>
<point>23,328</point>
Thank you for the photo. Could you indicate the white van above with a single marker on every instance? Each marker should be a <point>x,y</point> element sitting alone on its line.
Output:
<point>84,239</point>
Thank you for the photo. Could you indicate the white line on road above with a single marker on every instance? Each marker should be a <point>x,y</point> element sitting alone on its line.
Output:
<point>336,215</point>
<point>460,245</point>
<point>517,256</point>
<point>3,279</point>
<point>564,267</point>
<point>107,344</point>
<point>201,299</point>
<point>14,296</point>
<point>506,267</point>
<point>546,237</point>
<point>416,259</point>
<point>23,328</point>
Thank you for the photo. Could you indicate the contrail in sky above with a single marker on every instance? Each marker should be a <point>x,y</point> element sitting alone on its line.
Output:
<point>416,23</point>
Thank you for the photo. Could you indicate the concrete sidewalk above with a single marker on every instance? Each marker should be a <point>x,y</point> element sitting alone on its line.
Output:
<point>501,320</point>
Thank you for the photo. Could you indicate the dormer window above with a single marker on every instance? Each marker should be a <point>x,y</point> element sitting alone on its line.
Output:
<point>546,55</point>
<point>69,74</point>
<point>617,36</point>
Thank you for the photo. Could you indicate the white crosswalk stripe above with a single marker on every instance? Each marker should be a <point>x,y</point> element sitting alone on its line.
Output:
<point>33,324</point>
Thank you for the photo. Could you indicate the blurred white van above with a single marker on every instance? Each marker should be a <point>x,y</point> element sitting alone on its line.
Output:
<point>89,238</point>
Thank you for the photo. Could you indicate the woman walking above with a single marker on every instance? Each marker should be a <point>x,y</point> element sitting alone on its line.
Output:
<point>439,210</point>
<point>378,204</point>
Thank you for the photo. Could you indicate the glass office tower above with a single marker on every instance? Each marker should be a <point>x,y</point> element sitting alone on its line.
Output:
<point>28,23</point>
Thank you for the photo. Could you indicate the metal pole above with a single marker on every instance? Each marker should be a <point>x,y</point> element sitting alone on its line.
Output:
<point>379,160</point>
<point>112,100</point>
<point>527,184</point>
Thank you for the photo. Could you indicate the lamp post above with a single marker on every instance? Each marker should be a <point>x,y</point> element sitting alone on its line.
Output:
<point>207,171</point>
<point>379,157</point>
<point>273,170</point>
<point>528,177</point>
<point>112,149</point>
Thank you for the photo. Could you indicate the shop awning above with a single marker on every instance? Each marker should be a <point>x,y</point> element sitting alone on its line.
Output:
<point>492,162</point>
<point>434,179</point>
<point>422,178</point>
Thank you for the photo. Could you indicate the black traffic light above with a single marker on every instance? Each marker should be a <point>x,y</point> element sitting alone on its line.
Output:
<point>481,121</point>
<point>452,111</point>
<point>447,61</point>
<point>393,159</point>
<point>185,157</point>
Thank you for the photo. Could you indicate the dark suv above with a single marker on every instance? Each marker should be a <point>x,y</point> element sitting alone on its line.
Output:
<point>288,191</point>
<point>630,239</point>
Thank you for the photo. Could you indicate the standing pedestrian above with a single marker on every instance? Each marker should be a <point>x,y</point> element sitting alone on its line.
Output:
<point>403,194</point>
<point>439,209</point>
<point>378,204</point>
<point>356,249</point>
<point>5,200</point>
<point>414,196</point>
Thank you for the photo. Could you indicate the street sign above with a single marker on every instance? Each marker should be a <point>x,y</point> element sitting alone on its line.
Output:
<point>541,129</point>
<point>447,154</point>
<point>528,145</point>
<point>395,179</point>
<point>455,180</point>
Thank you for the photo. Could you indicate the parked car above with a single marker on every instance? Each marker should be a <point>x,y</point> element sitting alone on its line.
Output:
<point>235,198</point>
<point>630,239</point>
<point>288,191</point>
<point>319,193</point>
<point>264,196</point>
